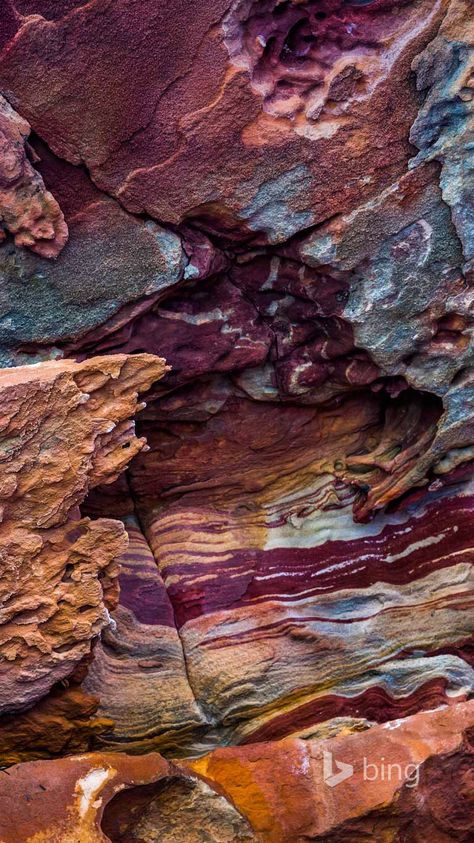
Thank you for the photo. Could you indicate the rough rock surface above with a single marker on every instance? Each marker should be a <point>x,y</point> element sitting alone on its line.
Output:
<point>111,260</point>
<point>276,196</point>
<point>106,796</point>
<point>65,427</point>
<point>282,789</point>
<point>272,793</point>
<point>27,209</point>
<point>245,115</point>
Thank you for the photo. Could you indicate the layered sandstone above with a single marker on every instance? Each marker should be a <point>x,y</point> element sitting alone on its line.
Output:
<point>65,427</point>
<point>276,197</point>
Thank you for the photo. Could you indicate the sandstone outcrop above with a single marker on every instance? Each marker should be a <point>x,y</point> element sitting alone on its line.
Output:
<point>272,793</point>
<point>27,209</point>
<point>266,120</point>
<point>275,197</point>
<point>65,427</point>
<point>141,657</point>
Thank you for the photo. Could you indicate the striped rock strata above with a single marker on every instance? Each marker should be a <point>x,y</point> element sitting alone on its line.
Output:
<point>248,565</point>
<point>276,197</point>
<point>289,613</point>
<point>139,671</point>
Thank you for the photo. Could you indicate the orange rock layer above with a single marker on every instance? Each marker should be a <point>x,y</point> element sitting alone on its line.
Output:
<point>64,427</point>
<point>392,783</point>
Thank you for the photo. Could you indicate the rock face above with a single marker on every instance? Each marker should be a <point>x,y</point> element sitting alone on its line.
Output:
<point>300,790</point>
<point>141,657</point>
<point>394,789</point>
<point>113,257</point>
<point>65,427</point>
<point>27,209</point>
<point>275,197</point>
<point>263,117</point>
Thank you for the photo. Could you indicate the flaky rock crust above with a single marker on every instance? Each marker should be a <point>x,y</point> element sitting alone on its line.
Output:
<point>64,428</point>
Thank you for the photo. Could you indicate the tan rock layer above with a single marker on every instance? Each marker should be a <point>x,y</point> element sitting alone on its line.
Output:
<point>64,721</point>
<point>64,427</point>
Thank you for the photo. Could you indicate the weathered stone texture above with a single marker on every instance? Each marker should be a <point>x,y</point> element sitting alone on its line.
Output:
<point>272,793</point>
<point>64,428</point>
<point>276,196</point>
<point>27,209</point>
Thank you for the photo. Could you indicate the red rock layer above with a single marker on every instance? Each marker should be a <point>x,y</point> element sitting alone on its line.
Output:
<point>219,127</point>
<point>396,786</point>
